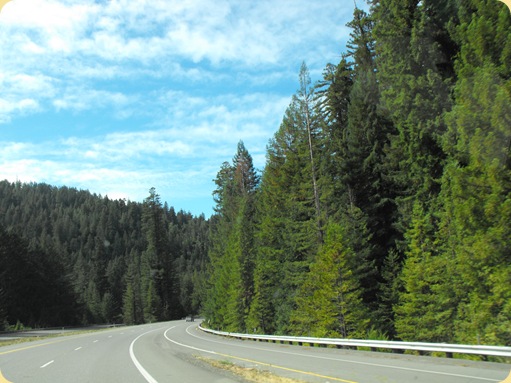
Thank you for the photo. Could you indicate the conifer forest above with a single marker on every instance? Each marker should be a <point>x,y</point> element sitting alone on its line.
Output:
<point>383,210</point>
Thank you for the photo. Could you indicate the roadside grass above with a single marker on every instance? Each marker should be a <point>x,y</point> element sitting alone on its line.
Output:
<point>250,374</point>
<point>10,342</point>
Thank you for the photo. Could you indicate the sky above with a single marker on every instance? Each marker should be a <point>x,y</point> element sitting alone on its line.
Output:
<point>118,96</point>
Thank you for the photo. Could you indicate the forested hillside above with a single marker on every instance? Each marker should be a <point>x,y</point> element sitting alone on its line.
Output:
<point>384,208</point>
<point>68,256</point>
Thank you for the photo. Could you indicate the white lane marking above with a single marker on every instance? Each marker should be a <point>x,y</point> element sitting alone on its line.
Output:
<point>78,348</point>
<point>109,336</point>
<point>336,359</point>
<point>137,364</point>
<point>184,345</point>
<point>96,341</point>
<point>47,364</point>
<point>255,361</point>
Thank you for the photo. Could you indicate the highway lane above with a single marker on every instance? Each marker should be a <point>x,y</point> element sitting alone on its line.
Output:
<point>168,352</point>
<point>137,354</point>
<point>324,364</point>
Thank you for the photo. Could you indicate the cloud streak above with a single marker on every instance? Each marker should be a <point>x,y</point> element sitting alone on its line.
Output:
<point>118,96</point>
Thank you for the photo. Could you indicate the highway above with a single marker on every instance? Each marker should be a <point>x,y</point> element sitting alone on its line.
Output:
<point>170,352</point>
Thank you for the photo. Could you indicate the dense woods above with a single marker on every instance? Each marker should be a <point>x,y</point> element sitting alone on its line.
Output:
<point>70,257</point>
<point>383,210</point>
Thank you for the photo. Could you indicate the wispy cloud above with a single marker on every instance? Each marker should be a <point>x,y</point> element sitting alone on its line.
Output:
<point>183,153</point>
<point>161,90</point>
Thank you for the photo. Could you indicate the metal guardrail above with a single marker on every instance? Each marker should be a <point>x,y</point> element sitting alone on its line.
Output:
<point>447,348</point>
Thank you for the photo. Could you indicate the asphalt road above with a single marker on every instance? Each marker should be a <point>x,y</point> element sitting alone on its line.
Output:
<point>168,352</point>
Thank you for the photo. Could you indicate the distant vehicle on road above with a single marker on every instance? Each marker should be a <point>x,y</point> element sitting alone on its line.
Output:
<point>190,318</point>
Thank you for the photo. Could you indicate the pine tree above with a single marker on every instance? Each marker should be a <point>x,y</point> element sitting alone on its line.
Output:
<point>334,98</point>
<point>159,281</point>
<point>390,289</point>
<point>427,305</point>
<point>476,187</point>
<point>414,72</point>
<point>133,309</point>
<point>365,190</point>
<point>305,98</point>
<point>329,303</point>
<point>287,234</point>
<point>232,255</point>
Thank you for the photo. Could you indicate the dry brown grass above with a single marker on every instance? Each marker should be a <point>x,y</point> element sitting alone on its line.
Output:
<point>10,342</point>
<point>249,373</point>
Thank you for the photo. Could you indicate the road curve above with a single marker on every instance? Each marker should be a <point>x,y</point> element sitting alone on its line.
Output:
<point>168,352</point>
<point>136,354</point>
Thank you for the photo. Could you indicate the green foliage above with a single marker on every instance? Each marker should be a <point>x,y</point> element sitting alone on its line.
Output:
<point>329,303</point>
<point>158,279</point>
<point>230,283</point>
<point>92,248</point>
<point>289,228</point>
<point>426,306</point>
<point>414,76</point>
<point>404,150</point>
<point>390,291</point>
<point>33,287</point>
<point>476,206</point>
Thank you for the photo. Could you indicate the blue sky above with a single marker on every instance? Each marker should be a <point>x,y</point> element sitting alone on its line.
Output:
<point>118,96</point>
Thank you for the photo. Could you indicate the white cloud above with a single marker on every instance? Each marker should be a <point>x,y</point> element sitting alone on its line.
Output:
<point>63,44</point>
<point>21,93</point>
<point>77,98</point>
<point>14,149</point>
<point>206,129</point>
<point>251,33</point>
<point>164,88</point>
<point>20,106</point>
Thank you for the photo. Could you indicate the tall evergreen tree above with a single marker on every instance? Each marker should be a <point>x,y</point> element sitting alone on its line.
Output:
<point>159,280</point>
<point>288,234</point>
<point>133,309</point>
<point>329,302</point>
<point>305,98</point>
<point>232,255</point>
<point>366,191</point>
<point>414,76</point>
<point>427,307</point>
<point>334,98</point>
<point>476,187</point>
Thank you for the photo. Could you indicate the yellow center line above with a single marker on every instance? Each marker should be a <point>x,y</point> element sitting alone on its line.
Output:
<point>508,379</point>
<point>255,361</point>
<point>32,346</point>
<point>2,379</point>
<point>287,368</point>
<point>62,338</point>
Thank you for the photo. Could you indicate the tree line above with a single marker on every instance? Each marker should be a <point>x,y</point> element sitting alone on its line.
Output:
<point>71,257</point>
<point>384,207</point>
